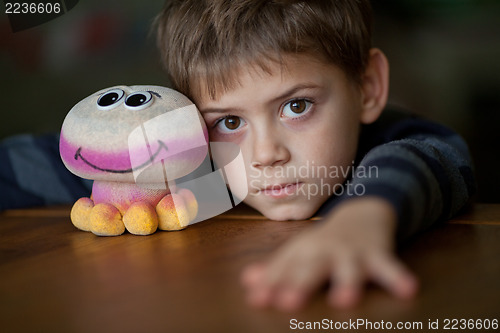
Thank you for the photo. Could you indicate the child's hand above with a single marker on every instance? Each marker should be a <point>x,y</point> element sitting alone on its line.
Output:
<point>353,246</point>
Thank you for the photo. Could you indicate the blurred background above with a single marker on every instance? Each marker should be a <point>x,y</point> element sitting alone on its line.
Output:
<point>444,55</point>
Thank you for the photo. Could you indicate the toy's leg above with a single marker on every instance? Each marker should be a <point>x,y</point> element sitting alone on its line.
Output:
<point>191,202</point>
<point>106,220</point>
<point>140,219</point>
<point>172,213</point>
<point>80,213</point>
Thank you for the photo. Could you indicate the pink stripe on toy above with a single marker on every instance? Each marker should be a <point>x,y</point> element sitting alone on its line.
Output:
<point>122,195</point>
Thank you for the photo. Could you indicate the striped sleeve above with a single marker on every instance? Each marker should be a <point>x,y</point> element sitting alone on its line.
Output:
<point>32,173</point>
<point>424,169</point>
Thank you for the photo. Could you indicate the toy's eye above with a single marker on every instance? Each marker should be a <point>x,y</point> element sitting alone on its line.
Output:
<point>139,100</point>
<point>110,99</point>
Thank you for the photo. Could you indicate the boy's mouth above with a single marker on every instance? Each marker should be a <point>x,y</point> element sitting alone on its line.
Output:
<point>281,190</point>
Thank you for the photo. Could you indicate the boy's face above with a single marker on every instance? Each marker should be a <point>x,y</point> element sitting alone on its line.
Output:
<point>297,128</point>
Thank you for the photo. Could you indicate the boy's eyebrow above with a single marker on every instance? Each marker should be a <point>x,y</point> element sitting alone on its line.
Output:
<point>213,110</point>
<point>288,93</point>
<point>293,90</point>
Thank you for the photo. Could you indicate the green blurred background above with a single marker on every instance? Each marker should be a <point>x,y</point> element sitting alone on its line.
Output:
<point>444,55</point>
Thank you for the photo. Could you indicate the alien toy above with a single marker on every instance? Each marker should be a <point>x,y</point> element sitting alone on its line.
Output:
<point>134,142</point>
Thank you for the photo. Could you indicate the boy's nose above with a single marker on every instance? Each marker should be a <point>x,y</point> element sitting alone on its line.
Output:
<point>269,150</point>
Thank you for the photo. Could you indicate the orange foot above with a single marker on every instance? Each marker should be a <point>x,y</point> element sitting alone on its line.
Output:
<point>173,212</point>
<point>176,210</point>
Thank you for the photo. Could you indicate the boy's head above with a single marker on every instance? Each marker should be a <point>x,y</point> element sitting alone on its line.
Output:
<point>288,81</point>
<point>209,40</point>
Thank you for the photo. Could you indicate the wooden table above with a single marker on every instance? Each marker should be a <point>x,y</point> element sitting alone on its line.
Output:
<point>55,278</point>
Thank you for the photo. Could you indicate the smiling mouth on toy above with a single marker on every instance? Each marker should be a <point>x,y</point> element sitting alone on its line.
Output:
<point>161,146</point>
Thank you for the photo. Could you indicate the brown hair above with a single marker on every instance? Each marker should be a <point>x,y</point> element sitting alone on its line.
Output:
<point>211,39</point>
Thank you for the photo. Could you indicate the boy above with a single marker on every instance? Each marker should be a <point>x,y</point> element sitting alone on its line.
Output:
<point>297,86</point>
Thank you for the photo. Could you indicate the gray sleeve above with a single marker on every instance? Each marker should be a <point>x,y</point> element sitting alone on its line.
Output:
<point>422,168</point>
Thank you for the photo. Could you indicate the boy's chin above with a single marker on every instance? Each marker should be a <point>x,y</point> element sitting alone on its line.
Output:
<point>285,212</point>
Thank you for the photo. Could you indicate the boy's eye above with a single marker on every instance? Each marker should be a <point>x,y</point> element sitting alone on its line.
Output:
<point>230,124</point>
<point>296,108</point>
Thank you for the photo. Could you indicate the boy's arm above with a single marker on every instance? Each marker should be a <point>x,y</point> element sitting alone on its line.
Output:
<point>353,244</point>
<point>421,173</point>
<point>422,168</point>
<point>32,173</point>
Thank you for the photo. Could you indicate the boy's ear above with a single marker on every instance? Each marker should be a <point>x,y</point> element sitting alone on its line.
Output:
<point>375,86</point>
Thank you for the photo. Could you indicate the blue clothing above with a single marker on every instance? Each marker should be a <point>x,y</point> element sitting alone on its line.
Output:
<point>424,169</point>
<point>32,173</point>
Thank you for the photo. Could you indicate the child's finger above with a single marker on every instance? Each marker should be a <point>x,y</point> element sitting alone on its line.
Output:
<point>259,294</point>
<point>268,283</point>
<point>252,275</point>
<point>347,280</point>
<point>390,273</point>
<point>300,282</point>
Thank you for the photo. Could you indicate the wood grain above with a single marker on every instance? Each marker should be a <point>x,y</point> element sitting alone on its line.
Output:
<point>54,278</point>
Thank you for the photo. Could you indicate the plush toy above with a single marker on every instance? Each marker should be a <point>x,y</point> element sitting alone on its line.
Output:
<point>134,142</point>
